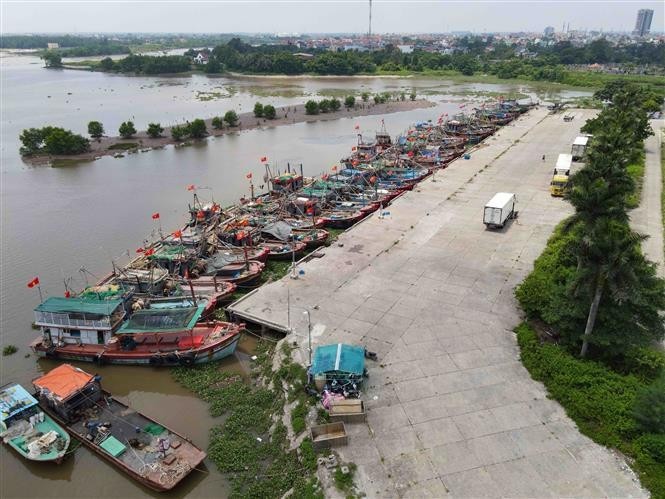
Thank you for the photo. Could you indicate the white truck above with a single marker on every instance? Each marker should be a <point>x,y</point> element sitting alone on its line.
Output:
<point>499,209</point>
<point>579,147</point>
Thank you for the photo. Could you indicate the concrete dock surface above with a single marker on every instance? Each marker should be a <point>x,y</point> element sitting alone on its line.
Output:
<point>451,410</point>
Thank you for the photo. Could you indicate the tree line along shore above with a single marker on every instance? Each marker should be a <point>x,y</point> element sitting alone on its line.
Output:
<point>41,146</point>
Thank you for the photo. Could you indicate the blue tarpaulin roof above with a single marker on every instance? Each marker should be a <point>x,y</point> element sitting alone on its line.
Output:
<point>14,399</point>
<point>339,358</point>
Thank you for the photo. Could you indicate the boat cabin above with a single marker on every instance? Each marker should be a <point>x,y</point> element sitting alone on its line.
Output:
<point>285,183</point>
<point>68,391</point>
<point>84,319</point>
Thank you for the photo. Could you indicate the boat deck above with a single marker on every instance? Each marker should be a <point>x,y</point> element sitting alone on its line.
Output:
<point>135,441</point>
<point>54,450</point>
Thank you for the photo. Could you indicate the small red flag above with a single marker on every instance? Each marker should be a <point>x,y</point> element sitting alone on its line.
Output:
<point>67,294</point>
<point>200,215</point>
<point>34,282</point>
<point>240,235</point>
<point>334,168</point>
<point>354,148</point>
<point>372,179</point>
<point>357,127</point>
<point>177,233</point>
<point>149,252</point>
<point>191,187</point>
<point>155,216</point>
<point>249,176</point>
<point>140,250</point>
<point>264,159</point>
<point>325,176</point>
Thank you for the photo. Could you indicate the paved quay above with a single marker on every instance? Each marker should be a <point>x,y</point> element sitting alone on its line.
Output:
<point>451,410</point>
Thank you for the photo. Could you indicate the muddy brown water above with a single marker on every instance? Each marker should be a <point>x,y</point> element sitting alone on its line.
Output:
<point>57,220</point>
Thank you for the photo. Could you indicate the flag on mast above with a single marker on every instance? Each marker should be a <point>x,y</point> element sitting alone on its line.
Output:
<point>34,282</point>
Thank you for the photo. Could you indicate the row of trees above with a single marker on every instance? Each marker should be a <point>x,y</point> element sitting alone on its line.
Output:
<point>322,106</point>
<point>147,64</point>
<point>593,284</point>
<point>266,111</point>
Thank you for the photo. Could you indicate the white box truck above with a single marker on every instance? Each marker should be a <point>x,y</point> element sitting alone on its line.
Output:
<point>579,147</point>
<point>499,209</point>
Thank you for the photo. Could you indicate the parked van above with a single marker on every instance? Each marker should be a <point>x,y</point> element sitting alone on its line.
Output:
<point>499,209</point>
<point>561,175</point>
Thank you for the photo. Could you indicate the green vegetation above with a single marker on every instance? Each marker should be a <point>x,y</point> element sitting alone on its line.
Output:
<point>601,402</point>
<point>95,129</point>
<point>179,132</point>
<point>249,447</point>
<point>217,122</point>
<point>311,107</point>
<point>155,130</point>
<point>197,129</point>
<point>9,350</point>
<point>123,146</point>
<point>258,110</point>
<point>662,177</point>
<point>344,481</point>
<point>231,118</point>
<point>52,59</point>
<point>269,112</point>
<point>349,101</point>
<point>365,96</point>
<point>52,140</point>
<point>127,129</point>
<point>145,64</point>
<point>636,172</point>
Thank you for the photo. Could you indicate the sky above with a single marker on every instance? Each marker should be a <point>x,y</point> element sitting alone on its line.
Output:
<point>320,16</point>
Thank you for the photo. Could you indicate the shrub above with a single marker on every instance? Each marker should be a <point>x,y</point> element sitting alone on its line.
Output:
<point>365,96</point>
<point>269,112</point>
<point>412,96</point>
<point>231,117</point>
<point>350,101</point>
<point>324,106</point>
<point>651,446</point>
<point>217,123</point>
<point>258,110</point>
<point>649,409</point>
<point>95,129</point>
<point>155,130</point>
<point>52,140</point>
<point>335,104</point>
<point>179,132</point>
<point>127,129</point>
<point>198,129</point>
<point>9,350</point>
<point>311,107</point>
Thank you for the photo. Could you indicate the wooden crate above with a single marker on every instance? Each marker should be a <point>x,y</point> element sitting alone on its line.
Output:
<point>328,435</point>
<point>349,411</point>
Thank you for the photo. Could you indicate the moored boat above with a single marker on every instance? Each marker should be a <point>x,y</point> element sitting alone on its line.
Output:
<point>25,428</point>
<point>136,444</point>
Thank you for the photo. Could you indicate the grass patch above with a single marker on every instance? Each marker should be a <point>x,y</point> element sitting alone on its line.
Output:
<point>344,481</point>
<point>636,171</point>
<point>123,146</point>
<point>600,401</point>
<point>9,350</point>
<point>662,179</point>
<point>249,447</point>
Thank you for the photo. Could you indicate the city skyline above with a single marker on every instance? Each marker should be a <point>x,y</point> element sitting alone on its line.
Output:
<point>349,16</point>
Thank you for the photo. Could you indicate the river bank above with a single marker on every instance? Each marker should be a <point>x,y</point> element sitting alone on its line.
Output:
<point>286,115</point>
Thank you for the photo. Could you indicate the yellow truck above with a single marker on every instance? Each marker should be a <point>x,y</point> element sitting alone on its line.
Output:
<point>561,175</point>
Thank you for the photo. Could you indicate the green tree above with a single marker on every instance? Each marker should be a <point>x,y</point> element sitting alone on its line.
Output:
<point>649,409</point>
<point>258,110</point>
<point>95,129</point>
<point>365,96</point>
<point>179,132</point>
<point>52,59</point>
<point>217,122</point>
<point>335,104</point>
<point>214,66</point>
<point>350,101</point>
<point>107,64</point>
<point>127,129</point>
<point>32,140</point>
<point>60,141</point>
<point>412,96</point>
<point>311,107</point>
<point>269,112</point>
<point>231,117</point>
<point>324,106</point>
<point>155,130</point>
<point>198,129</point>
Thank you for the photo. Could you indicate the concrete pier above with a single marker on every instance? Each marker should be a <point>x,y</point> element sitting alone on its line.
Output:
<point>451,410</point>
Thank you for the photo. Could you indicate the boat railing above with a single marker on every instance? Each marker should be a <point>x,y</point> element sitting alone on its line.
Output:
<point>55,319</point>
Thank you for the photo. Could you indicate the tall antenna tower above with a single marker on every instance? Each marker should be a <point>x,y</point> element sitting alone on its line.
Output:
<point>369,32</point>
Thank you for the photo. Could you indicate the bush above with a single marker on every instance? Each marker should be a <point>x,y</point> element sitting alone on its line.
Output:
<point>198,129</point>
<point>365,96</point>
<point>324,106</point>
<point>258,110</point>
<point>9,350</point>
<point>179,132</point>
<point>350,101</point>
<point>269,112</point>
<point>127,130</point>
<point>231,117</point>
<point>335,104</point>
<point>412,96</point>
<point>649,409</point>
<point>155,130</point>
<point>646,363</point>
<point>311,107</point>
<point>95,129</point>
<point>651,446</point>
<point>52,140</point>
<point>217,123</point>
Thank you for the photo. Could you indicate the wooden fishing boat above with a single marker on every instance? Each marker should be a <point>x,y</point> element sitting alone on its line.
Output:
<point>280,250</point>
<point>313,238</point>
<point>341,219</point>
<point>240,274</point>
<point>25,428</point>
<point>142,448</point>
<point>210,301</point>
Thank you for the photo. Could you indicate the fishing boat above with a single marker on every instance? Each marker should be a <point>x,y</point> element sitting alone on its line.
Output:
<point>280,250</point>
<point>313,238</point>
<point>99,331</point>
<point>241,274</point>
<point>341,219</point>
<point>142,448</point>
<point>27,429</point>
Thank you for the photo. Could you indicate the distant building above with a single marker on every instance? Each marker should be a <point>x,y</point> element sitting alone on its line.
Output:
<point>357,48</point>
<point>643,22</point>
<point>303,55</point>
<point>549,31</point>
<point>52,46</point>
<point>405,49</point>
<point>201,58</point>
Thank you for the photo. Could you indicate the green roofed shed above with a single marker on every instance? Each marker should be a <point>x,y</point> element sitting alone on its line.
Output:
<point>339,360</point>
<point>59,305</point>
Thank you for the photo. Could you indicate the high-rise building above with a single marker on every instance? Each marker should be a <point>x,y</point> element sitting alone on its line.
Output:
<point>549,31</point>
<point>643,22</point>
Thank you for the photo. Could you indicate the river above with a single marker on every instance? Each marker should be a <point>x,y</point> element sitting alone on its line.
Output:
<point>57,220</point>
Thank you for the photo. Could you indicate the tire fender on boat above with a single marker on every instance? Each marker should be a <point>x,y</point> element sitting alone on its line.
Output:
<point>187,359</point>
<point>156,360</point>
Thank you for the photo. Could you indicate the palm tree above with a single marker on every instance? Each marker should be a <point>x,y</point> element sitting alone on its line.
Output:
<point>608,253</point>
